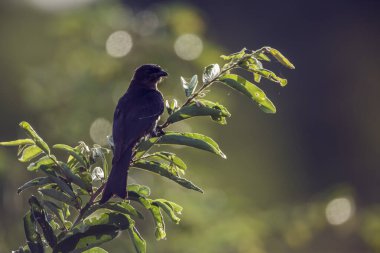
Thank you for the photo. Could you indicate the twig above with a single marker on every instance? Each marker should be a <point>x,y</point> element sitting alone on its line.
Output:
<point>202,88</point>
<point>88,205</point>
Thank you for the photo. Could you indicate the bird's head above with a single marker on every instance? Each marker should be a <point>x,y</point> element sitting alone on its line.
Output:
<point>149,75</point>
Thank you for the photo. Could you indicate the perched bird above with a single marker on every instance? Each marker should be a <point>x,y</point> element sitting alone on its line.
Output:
<point>136,116</point>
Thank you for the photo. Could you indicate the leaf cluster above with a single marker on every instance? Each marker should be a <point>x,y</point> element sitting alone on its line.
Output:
<point>66,215</point>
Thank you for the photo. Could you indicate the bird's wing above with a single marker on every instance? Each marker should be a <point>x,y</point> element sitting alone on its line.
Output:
<point>134,117</point>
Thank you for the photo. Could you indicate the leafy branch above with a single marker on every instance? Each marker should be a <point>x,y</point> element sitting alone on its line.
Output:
<point>66,215</point>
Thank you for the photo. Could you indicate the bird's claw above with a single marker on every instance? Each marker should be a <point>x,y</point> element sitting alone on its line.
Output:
<point>158,132</point>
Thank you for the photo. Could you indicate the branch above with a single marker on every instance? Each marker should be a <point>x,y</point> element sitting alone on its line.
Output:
<point>202,88</point>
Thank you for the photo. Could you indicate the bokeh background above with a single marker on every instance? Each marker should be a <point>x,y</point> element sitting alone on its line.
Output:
<point>306,179</point>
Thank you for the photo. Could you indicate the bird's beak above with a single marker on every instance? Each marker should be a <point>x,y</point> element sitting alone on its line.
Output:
<point>162,73</point>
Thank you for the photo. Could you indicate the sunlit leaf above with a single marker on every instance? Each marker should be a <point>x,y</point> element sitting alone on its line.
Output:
<point>159,221</point>
<point>95,250</point>
<point>141,190</point>
<point>60,196</point>
<point>94,231</point>
<point>271,76</point>
<point>263,57</point>
<point>121,207</point>
<point>168,210</point>
<point>280,57</point>
<point>175,207</point>
<point>157,216</point>
<point>39,181</point>
<point>56,210</point>
<point>43,161</point>
<point>171,158</point>
<point>22,249</point>
<point>17,142</point>
<point>33,238</point>
<point>189,85</point>
<point>73,152</point>
<point>37,139</point>
<point>165,171</point>
<point>144,146</point>
<point>249,89</point>
<point>74,178</point>
<point>194,140</point>
<point>234,56</point>
<point>60,183</point>
<point>39,215</point>
<point>30,153</point>
<point>210,73</point>
<point>92,237</point>
<point>171,106</point>
<point>66,210</point>
<point>54,225</point>
<point>120,220</point>
<point>137,240</point>
<point>200,107</point>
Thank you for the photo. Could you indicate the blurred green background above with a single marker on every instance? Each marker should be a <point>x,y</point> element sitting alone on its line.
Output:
<point>306,179</point>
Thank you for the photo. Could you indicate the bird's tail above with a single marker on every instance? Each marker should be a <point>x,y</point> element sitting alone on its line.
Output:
<point>117,180</point>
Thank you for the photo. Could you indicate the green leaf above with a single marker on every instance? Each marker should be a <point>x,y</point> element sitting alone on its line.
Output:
<point>39,181</point>
<point>66,210</point>
<point>21,149</point>
<point>54,178</point>
<point>249,89</point>
<point>157,216</point>
<point>168,210</point>
<point>39,215</point>
<point>234,56</point>
<point>172,158</point>
<point>92,237</point>
<point>189,85</point>
<point>73,152</point>
<point>171,106</point>
<point>165,171</point>
<point>271,76</point>
<point>137,240</point>
<point>22,249</point>
<point>194,140</point>
<point>200,107</point>
<point>256,77</point>
<point>43,161</point>
<point>121,207</point>
<point>17,142</point>
<point>144,201</point>
<point>120,220</point>
<point>84,184</point>
<point>263,57</point>
<point>255,66</point>
<point>175,207</point>
<point>95,250</point>
<point>30,153</point>
<point>210,73</point>
<point>144,146</point>
<point>60,196</point>
<point>159,221</point>
<point>33,238</point>
<point>57,211</point>
<point>37,139</point>
<point>281,58</point>
<point>141,190</point>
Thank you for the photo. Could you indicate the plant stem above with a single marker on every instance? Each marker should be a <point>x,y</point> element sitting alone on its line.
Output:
<point>88,205</point>
<point>202,88</point>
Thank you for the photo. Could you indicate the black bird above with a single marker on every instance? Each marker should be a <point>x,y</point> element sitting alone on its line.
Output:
<point>136,116</point>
